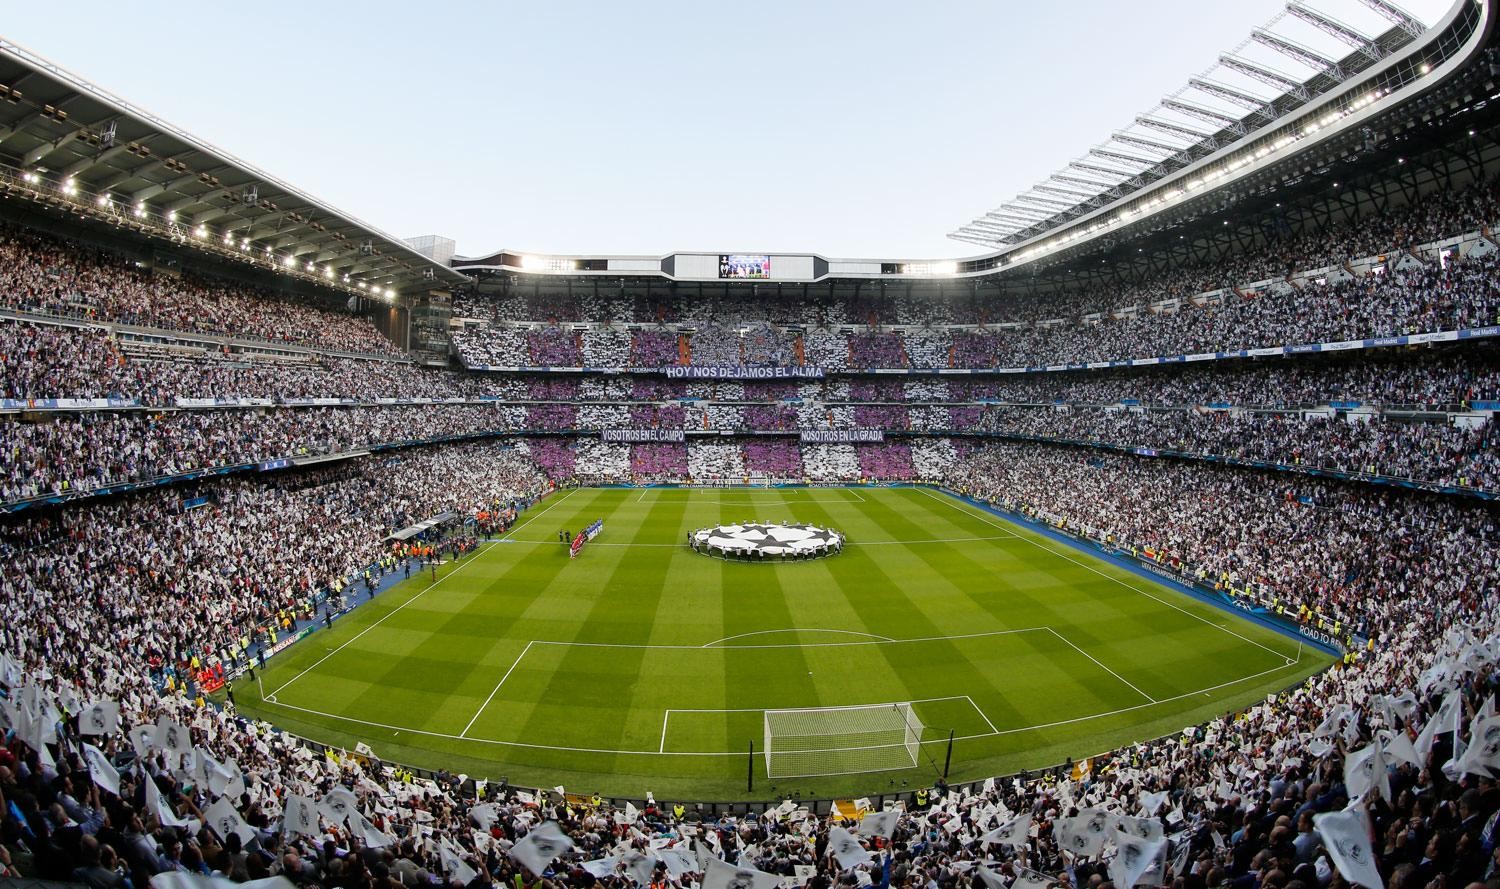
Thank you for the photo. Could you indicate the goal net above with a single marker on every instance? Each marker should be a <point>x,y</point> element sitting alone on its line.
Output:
<point>841,740</point>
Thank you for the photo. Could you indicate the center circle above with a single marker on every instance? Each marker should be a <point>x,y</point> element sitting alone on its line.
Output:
<point>766,541</point>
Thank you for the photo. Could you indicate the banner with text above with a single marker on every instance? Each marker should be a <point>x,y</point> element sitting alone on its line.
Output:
<point>744,373</point>
<point>843,436</point>
<point>642,435</point>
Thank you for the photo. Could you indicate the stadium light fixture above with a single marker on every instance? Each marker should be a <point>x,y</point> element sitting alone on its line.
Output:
<point>69,187</point>
<point>200,232</point>
<point>140,209</point>
<point>30,178</point>
<point>291,261</point>
<point>104,200</point>
<point>327,272</point>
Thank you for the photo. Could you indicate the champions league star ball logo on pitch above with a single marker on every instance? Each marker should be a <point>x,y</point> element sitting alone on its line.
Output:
<point>766,541</point>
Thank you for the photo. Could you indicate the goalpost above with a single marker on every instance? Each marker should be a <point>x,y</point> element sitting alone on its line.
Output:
<point>814,741</point>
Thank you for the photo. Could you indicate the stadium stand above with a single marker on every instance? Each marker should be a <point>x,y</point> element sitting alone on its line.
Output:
<point>1350,489</point>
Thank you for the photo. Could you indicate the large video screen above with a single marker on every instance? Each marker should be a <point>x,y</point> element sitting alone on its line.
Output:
<point>744,265</point>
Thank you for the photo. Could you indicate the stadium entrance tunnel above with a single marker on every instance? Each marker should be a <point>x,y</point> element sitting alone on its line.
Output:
<point>766,541</point>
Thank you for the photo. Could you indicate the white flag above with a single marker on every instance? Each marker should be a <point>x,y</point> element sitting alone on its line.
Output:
<point>846,849</point>
<point>454,866</point>
<point>223,818</point>
<point>299,816</point>
<point>99,718</point>
<point>101,770</point>
<point>1015,832</point>
<point>991,879</point>
<point>601,867</point>
<point>1483,752</point>
<point>1151,803</point>
<point>1348,844</point>
<point>1134,856</point>
<point>172,738</point>
<point>703,854</point>
<point>1030,879</point>
<point>638,867</point>
<point>143,739</point>
<point>536,850</point>
<point>157,805</point>
<point>484,815</point>
<point>726,876</point>
<point>1396,746</point>
<point>367,832</point>
<point>337,803</point>
<point>1148,829</point>
<point>679,861</point>
<point>1364,770</point>
<point>877,824</point>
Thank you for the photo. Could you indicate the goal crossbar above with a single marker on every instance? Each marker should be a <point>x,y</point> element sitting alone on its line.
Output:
<point>812,741</point>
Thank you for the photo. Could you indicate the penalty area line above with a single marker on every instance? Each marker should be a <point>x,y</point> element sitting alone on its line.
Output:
<point>737,753</point>
<point>487,700</point>
<point>963,508</point>
<point>382,619</point>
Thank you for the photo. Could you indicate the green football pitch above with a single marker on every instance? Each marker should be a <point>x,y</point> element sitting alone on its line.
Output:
<point>644,666</point>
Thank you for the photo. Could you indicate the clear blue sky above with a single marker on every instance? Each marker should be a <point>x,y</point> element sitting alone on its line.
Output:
<point>852,129</point>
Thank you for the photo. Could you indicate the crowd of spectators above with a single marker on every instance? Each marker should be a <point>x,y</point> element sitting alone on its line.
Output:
<point>1422,298</point>
<point>46,275</point>
<point>105,598</point>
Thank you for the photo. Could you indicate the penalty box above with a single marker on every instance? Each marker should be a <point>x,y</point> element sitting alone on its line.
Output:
<point>711,700</point>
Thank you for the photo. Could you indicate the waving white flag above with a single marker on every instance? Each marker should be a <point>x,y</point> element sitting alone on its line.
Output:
<point>846,849</point>
<point>639,867</point>
<point>1133,857</point>
<point>1364,770</point>
<point>990,879</point>
<point>877,824</point>
<point>101,769</point>
<point>223,818</point>
<point>1015,832</point>
<point>337,803</point>
<point>1348,844</point>
<point>367,832</point>
<point>156,804</point>
<point>99,718</point>
<point>726,876</point>
<point>1483,753</point>
<point>454,866</point>
<point>299,816</point>
<point>536,850</point>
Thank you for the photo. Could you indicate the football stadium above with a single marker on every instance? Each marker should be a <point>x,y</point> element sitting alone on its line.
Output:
<point>1153,541</point>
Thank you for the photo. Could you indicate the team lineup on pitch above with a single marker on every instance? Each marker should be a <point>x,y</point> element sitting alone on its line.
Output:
<point>642,665</point>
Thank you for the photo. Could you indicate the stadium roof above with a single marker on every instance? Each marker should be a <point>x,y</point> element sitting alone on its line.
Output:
<point>1246,90</point>
<point>70,144</point>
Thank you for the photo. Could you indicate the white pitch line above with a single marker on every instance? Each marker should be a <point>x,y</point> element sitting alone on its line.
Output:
<point>643,645</point>
<point>847,543</point>
<point>981,713</point>
<point>566,749</point>
<point>662,748</point>
<point>873,706</point>
<point>958,505</point>
<point>487,700</point>
<point>1132,685</point>
<point>414,598</point>
<point>797,630</point>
